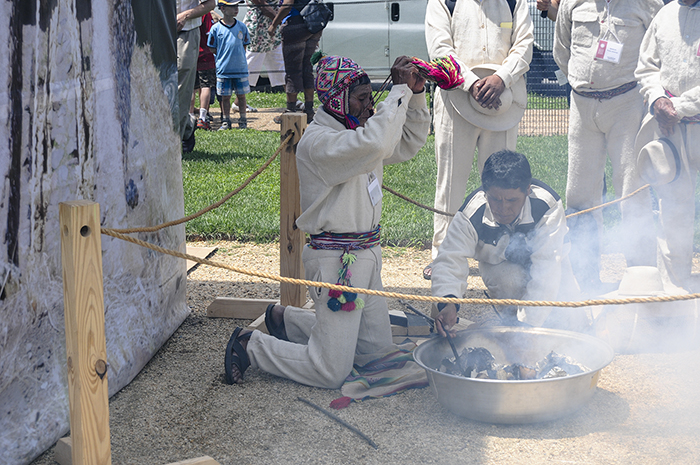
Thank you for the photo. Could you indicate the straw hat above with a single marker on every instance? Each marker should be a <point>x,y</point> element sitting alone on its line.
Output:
<point>509,114</point>
<point>660,159</point>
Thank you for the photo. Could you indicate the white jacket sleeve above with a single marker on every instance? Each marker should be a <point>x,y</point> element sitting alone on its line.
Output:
<point>397,131</point>
<point>415,130</point>
<point>648,71</point>
<point>451,266</point>
<point>562,37</point>
<point>520,54</point>
<point>687,104</point>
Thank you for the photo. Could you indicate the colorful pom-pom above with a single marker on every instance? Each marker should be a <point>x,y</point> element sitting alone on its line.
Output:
<point>341,299</point>
<point>334,305</point>
<point>348,307</point>
<point>350,296</point>
<point>359,304</point>
<point>334,293</point>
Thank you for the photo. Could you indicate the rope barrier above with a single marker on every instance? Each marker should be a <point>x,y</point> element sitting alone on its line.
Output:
<point>395,295</point>
<point>121,234</point>
<point>215,204</point>
<point>610,203</point>
<point>401,196</point>
<point>439,212</point>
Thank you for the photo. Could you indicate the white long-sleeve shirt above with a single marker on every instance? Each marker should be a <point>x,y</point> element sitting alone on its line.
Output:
<point>474,233</point>
<point>581,24</point>
<point>669,58</point>
<point>481,32</point>
<point>336,164</point>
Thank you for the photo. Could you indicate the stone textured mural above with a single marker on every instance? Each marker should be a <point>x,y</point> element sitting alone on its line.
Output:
<point>86,114</point>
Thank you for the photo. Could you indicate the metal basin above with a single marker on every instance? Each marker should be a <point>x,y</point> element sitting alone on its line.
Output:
<point>515,402</point>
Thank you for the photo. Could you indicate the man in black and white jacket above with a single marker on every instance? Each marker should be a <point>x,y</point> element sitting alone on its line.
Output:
<point>515,227</point>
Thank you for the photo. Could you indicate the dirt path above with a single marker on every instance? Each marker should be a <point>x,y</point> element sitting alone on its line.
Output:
<point>644,411</point>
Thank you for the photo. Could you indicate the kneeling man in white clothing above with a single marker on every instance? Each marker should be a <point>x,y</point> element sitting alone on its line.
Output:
<point>515,227</point>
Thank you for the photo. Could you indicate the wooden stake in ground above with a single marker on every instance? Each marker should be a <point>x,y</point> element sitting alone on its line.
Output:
<point>291,237</point>
<point>86,351</point>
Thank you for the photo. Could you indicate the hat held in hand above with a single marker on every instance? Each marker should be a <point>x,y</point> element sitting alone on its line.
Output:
<point>660,159</point>
<point>506,116</point>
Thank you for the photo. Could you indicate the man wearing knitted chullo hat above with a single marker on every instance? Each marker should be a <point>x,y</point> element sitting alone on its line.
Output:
<point>340,160</point>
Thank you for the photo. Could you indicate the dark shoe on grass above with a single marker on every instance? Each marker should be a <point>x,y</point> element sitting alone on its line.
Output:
<point>188,144</point>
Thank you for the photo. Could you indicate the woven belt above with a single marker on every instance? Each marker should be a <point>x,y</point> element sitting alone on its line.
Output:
<point>607,94</point>
<point>686,119</point>
<point>346,241</point>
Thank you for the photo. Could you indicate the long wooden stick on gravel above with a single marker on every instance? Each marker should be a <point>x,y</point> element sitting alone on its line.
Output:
<point>340,420</point>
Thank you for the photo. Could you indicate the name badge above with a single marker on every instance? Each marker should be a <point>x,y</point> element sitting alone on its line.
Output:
<point>609,51</point>
<point>561,77</point>
<point>374,189</point>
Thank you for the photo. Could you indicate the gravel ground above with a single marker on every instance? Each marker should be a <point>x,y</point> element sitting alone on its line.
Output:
<point>643,412</point>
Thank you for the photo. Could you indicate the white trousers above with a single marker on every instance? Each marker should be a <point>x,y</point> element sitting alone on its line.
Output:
<point>601,129</point>
<point>456,139</point>
<point>324,344</point>
<point>677,213</point>
<point>271,61</point>
<point>187,54</point>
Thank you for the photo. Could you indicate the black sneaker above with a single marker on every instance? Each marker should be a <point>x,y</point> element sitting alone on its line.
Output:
<point>188,144</point>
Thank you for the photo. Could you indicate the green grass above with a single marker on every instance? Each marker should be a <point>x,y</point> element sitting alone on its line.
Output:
<point>540,102</point>
<point>222,161</point>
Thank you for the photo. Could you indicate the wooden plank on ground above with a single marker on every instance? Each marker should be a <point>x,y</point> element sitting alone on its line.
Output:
<point>259,324</point>
<point>62,455</point>
<point>204,460</point>
<point>199,252</point>
<point>86,351</point>
<point>397,330</point>
<point>231,307</point>
<point>62,452</point>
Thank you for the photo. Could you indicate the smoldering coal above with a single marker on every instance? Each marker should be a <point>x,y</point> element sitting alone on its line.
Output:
<point>479,363</point>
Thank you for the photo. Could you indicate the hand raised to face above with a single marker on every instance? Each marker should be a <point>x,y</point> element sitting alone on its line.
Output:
<point>405,72</point>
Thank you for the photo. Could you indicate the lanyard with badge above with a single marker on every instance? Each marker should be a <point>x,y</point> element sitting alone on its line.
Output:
<point>609,50</point>
<point>375,190</point>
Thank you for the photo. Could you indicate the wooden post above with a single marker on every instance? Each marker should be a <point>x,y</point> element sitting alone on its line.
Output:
<point>86,350</point>
<point>291,237</point>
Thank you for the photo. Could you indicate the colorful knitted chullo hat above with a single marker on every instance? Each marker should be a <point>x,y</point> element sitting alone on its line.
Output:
<point>334,77</point>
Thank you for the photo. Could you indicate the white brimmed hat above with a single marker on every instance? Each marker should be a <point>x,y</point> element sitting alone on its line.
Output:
<point>509,114</point>
<point>639,281</point>
<point>660,159</point>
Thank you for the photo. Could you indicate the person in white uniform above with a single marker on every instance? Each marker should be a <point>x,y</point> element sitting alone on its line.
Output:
<point>596,44</point>
<point>340,159</point>
<point>669,73</point>
<point>491,40</point>
<point>515,227</point>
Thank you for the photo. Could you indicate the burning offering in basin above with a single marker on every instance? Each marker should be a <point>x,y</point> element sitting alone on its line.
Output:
<point>514,401</point>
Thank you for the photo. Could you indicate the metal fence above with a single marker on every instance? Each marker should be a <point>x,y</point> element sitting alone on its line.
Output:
<point>548,103</point>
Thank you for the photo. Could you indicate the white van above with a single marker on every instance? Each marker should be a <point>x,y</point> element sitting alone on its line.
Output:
<point>375,32</point>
